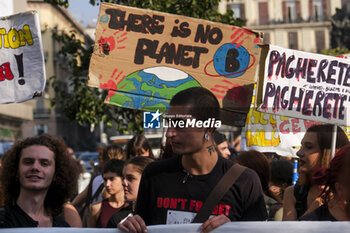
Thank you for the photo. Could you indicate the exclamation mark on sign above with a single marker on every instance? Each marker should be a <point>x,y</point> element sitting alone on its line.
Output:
<point>19,59</point>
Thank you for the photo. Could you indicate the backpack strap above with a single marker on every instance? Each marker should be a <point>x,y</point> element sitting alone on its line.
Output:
<point>89,199</point>
<point>98,192</point>
<point>218,192</point>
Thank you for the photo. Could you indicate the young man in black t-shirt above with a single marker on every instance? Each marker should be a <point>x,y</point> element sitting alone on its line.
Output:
<point>172,191</point>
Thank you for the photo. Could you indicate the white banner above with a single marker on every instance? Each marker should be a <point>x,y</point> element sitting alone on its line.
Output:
<point>22,71</point>
<point>272,133</point>
<point>306,85</point>
<point>237,227</point>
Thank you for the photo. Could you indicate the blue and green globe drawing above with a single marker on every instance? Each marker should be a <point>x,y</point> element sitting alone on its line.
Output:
<point>151,88</point>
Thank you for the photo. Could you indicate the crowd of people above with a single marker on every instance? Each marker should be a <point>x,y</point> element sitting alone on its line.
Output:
<point>131,189</point>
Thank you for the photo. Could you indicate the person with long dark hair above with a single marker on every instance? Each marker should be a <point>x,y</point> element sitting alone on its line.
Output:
<point>315,153</point>
<point>336,189</point>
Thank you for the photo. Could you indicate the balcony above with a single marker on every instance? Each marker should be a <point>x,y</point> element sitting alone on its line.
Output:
<point>42,113</point>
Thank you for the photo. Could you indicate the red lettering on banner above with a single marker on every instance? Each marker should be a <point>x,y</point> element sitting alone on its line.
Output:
<point>282,128</point>
<point>5,72</point>
<point>295,126</point>
<point>308,124</point>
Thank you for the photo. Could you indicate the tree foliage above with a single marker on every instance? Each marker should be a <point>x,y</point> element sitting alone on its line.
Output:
<point>86,105</point>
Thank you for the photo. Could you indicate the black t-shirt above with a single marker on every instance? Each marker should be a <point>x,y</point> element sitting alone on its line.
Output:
<point>119,216</point>
<point>320,214</point>
<point>14,216</point>
<point>168,195</point>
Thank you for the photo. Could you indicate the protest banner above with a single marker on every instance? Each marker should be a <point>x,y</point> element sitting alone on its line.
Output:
<point>22,71</point>
<point>305,85</point>
<point>266,132</point>
<point>241,227</point>
<point>144,57</point>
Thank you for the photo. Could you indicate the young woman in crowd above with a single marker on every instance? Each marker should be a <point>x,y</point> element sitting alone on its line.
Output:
<point>138,146</point>
<point>100,212</point>
<point>131,180</point>
<point>314,153</point>
<point>336,191</point>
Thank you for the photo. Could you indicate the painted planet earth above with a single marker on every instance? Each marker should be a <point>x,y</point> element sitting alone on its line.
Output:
<point>151,88</point>
<point>230,61</point>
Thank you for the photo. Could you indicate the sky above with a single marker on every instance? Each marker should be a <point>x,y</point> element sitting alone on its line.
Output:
<point>84,12</point>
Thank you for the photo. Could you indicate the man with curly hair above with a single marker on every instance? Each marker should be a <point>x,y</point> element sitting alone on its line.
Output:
<point>38,176</point>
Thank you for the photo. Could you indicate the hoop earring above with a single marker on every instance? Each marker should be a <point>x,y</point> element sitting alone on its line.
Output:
<point>206,137</point>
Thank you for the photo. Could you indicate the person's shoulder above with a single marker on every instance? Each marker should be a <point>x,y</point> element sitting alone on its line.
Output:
<point>163,166</point>
<point>289,189</point>
<point>96,206</point>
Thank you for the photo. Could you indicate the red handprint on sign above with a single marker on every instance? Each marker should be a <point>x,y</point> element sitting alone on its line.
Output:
<point>113,82</point>
<point>240,35</point>
<point>108,44</point>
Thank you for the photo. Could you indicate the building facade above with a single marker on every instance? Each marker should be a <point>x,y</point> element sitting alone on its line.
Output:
<point>297,24</point>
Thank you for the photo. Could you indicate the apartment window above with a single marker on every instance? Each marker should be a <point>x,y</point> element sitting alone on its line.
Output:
<point>317,8</point>
<point>320,41</point>
<point>263,13</point>
<point>238,10</point>
<point>291,11</point>
<point>293,40</point>
<point>40,129</point>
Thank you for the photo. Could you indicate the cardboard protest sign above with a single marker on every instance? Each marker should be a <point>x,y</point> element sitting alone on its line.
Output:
<point>272,133</point>
<point>22,71</point>
<point>144,57</point>
<point>305,85</point>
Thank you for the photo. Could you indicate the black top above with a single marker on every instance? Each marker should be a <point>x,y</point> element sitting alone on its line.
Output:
<point>300,194</point>
<point>320,214</point>
<point>14,216</point>
<point>119,216</point>
<point>168,194</point>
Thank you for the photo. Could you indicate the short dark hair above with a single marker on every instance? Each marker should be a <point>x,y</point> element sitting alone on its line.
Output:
<point>64,182</point>
<point>115,166</point>
<point>203,104</point>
